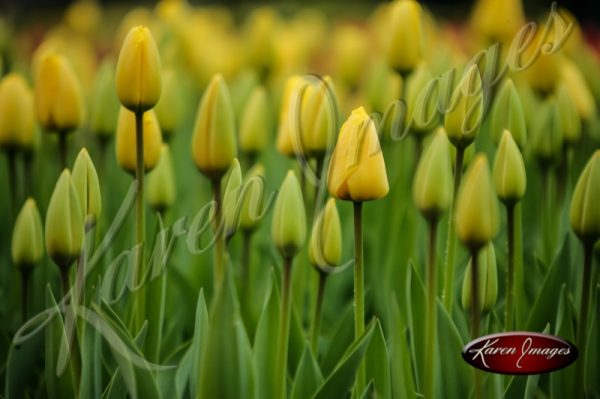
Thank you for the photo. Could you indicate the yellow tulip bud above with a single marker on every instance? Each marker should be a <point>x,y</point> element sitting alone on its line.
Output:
<point>546,135</point>
<point>508,114</point>
<point>105,103</point>
<point>64,223</point>
<point>87,185</point>
<point>487,274</point>
<point>260,30</point>
<point>498,20</point>
<point>214,142</point>
<point>169,107</point>
<point>84,16</point>
<point>317,117</point>
<point>289,218</point>
<point>432,184</point>
<point>569,117</point>
<point>161,182</point>
<point>325,248</point>
<point>578,88</point>
<point>58,98</point>
<point>463,118</point>
<point>251,210</point>
<point>544,72</point>
<point>406,45</point>
<point>288,142</point>
<point>256,124</point>
<point>231,198</point>
<point>27,239</point>
<point>585,212</point>
<point>126,140</point>
<point>351,46</point>
<point>510,178</point>
<point>357,169</point>
<point>421,101</point>
<point>477,210</point>
<point>138,75</point>
<point>16,114</point>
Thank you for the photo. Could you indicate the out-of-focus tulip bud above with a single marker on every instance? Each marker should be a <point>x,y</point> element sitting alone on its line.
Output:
<point>160,192</point>
<point>585,212</point>
<point>406,46</point>
<point>383,87</point>
<point>579,90</point>
<point>288,142</point>
<point>569,117</point>
<point>498,20</point>
<point>432,185</point>
<point>547,136</point>
<point>16,114</point>
<point>86,183</point>
<point>58,99</point>
<point>126,140</point>
<point>214,141</point>
<point>544,71</point>
<point>508,114</point>
<point>232,198</point>
<point>84,16</point>
<point>260,31</point>
<point>27,239</point>
<point>476,209</point>
<point>105,103</point>
<point>169,107</point>
<point>138,75</point>
<point>487,274</point>
<point>357,169</point>
<point>463,118</point>
<point>318,117</point>
<point>325,247</point>
<point>257,122</point>
<point>289,219</point>
<point>421,101</point>
<point>509,171</point>
<point>351,46</point>
<point>251,211</point>
<point>64,223</point>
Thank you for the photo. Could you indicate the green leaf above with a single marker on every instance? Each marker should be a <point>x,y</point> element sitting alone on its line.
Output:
<point>244,360</point>
<point>265,357</point>
<point>592,366</point>
<point>342,378</point>
<point>21,367</point>
<point>116,388</point>
<point>182,377</point>
<point>91,356</point>
<point>198,341</point>
<point>369,391</point>
<point>378,364</point>
<point>308,376</point>
<point>416,298</point>
<point>403,385</point>
<point>561,381</point>
<point>342,339</point>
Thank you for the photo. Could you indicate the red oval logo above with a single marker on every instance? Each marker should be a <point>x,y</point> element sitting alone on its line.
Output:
<point>519,352</point>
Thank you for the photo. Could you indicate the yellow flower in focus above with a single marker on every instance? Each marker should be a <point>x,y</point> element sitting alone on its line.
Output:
<point>357,169</point>
<point>406,42</point>
<point>16,114</point>
<point>126,140</point>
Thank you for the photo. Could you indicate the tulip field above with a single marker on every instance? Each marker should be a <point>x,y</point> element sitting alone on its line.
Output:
<point>284,201</point>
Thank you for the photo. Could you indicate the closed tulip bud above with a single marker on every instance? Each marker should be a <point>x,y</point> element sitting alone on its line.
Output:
<point>16,114</point>
<point>169,107</point>
<point>214,142</point>
<point>508,113</point>
<point>325,248</point>
<point>421,101</point>
<point>477,209</point>
<point>351,47</point>
<point>317,117</point>
<point>288,142</point>
<point>547,137</point>
<point>488,281</point>
<point>105,103</point>
<point>544,72</point>
<point>432,185</point>
<point>383,87</point>
<point>27,239</point>
<point>231,198</point>
<point>498,20</point>
<point>406,44</point>
<point>256,124</point>
<point>138,75</point>
<point>161,182</point>
<point>64,223</point>
<point>126,140</point>
<point>569,117</point>
<point>578,88</point>
<point>585,212</point>
<point>289,218</point>
<point>509,171</point>
<point>463,118</point>
<point>357,169</point>
<point>260,30</point>
<point>87,185</point>
<point>251,211</point>
<point>58,98</point>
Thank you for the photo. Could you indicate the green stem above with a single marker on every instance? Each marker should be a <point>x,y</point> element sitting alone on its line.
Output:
<point>431,320</point>
<point>62,149</point>
<point>586,285</point>
<point>510,272</point>
<point>24,293</point>
<point>317,314</point>
<point>139,300</point>
<point>359,299</point>
<point>11,158</point>
<point>284,329</point>
<point>246,264</point>
<point>475,315</point>
<point>219,271</point>
<point>518,240</point>
<point>448,294</point>
<point>64,281</point>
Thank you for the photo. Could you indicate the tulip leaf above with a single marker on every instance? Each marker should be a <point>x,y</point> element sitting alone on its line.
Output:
<point>308,376</point>
<point>416,298</point>
<point>198,341</point>
<point>91,352</point>
<point>378,364</point>
<point>342,378</point>
<point>402,378</point>
<point>369,391</point>
<point>21,366</point>
<point>562,381</point>
<point>341,339</point>
<point>115,388</point>
<point>592,366</point>
<point>182,377</point>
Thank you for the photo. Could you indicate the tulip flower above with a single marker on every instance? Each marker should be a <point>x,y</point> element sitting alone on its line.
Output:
<point>350,50</point>
<point>288,232</point>
<point>260,30</point>
<point>169,107</point>
<point>256,123</point>
<point>463,118</point>
<point>421,102</point>
<point>547,139</point>
<point>105,103</point>
<point>497,20</point>
<point>126,141</point>
<point>406,40</point>
<point>232,199</point>
<point>508,113</point>
<point>569,116</point>
<point>288,140</point>
<point>487,281</point>
<point>317,117</point>
<point>543,71</point>
<point>161,182</point>
<point>576,85</point>
<point>138,74</point>
<point>16,114</point>
<point>383,87</point>
<point>87,185</point>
